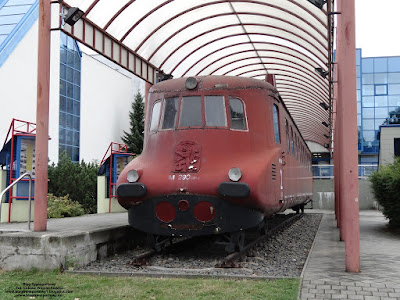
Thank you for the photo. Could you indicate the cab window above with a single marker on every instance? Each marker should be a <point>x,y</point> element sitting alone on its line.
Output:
<point>155,116</point>
<point>191,112</point>
<point>170,113</point>
<point>276,123</point>
<point>215,111</point>
<point>237,114</point>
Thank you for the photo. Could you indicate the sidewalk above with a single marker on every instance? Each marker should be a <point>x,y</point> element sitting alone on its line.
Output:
<point>324,276</point>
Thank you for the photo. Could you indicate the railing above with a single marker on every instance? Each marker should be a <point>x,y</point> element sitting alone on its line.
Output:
<point>326,171</point>
<point>29,198</point>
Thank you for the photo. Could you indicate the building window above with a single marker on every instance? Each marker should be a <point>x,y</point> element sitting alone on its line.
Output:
<point>381,89</point>
<point>70,97</point>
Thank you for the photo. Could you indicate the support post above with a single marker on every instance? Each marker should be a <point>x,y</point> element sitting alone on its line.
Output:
<point>348,153</point>
<point>42,117</point>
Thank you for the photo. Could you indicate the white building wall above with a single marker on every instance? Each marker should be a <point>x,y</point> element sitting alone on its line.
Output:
<point>18,87</point>
<point>386,149</point>
<point>106,97</point>
<point>107,92</point>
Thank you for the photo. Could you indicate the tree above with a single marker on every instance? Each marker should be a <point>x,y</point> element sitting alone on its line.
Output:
<point>134,139</point>
<point>78,180</point>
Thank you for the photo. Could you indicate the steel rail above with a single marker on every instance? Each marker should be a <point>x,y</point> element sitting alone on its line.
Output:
<point>229,261</point>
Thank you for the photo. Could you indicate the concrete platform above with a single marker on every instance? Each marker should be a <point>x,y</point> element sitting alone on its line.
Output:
<point>324,276</point>
<point>67,241</point>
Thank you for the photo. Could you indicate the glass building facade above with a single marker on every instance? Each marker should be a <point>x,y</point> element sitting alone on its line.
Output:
<point>378,95</point>
<point>70,97</point>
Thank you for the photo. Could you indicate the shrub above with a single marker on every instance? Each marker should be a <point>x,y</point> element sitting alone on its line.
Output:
<point>60,207</point>
<point>78,180</point>
<point>386,189</point>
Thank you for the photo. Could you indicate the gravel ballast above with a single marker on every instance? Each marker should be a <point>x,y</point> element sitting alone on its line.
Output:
<point>280,256</point>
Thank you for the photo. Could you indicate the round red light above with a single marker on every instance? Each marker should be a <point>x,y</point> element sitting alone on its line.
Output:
<point>183,205</point>
<point>204,211</point>
<point>165,211</point>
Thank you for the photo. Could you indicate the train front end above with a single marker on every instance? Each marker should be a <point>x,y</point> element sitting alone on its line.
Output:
<point>195,175</point>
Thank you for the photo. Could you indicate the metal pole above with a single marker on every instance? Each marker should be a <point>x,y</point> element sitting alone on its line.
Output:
<point>348,142</point>
<point>42,117</point>
<point>30,201</point>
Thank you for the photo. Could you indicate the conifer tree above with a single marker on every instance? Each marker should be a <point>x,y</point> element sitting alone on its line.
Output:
<point>134,138</point>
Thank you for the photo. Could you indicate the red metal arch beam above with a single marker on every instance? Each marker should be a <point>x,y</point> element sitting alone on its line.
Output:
<point>280,77</point>
<point>324,55</point>
<point>213,3</point>
<point>273,71</point>
<point>283,82</point>
<point>230,14</point>
<point>240,44</point>
<point>313,74</point>
<point>307,73</point>
<point>292,89</point>
<point>117,14</point>
<point>295,101</point>
<point>252,50</point>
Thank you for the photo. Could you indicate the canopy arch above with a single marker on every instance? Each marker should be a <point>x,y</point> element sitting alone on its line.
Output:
<point>253,38</point>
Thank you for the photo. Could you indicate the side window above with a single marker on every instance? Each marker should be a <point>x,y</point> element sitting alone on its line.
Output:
<point>215,111</point>
<point>291,140</point>
<point>237,114</point>
<point>170,112</point>
<point>287,136</point>
<point>191,112</point>
<point>276,123</point>
<point>155,116</point>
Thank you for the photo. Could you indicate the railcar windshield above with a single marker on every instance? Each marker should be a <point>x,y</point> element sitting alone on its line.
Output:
<point>170,113</point>
<point>237,114</point>
<point>198,112</point>
<point>215,111</point>
<point>191,112</point>
<point>155,116</point>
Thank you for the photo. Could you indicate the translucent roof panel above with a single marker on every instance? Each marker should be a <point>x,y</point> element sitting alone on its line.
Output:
<point>252,38</point>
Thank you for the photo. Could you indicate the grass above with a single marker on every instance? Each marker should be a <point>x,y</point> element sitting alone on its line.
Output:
<point>24,284</point>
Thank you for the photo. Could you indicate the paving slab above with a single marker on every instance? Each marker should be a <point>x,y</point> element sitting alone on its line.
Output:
<point>379,277</point>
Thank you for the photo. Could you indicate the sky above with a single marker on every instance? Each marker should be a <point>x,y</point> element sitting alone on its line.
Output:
<point>378,27</point>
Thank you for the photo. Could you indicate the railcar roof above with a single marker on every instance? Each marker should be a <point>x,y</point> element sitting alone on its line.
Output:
<point>290,39</point>
<point>212,83</point>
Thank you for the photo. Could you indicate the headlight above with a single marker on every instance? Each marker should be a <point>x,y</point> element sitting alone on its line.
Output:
<point>235,174</point>
<point>132,176</point>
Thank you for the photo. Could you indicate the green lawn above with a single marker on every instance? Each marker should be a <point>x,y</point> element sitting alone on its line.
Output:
<point>25,285</point>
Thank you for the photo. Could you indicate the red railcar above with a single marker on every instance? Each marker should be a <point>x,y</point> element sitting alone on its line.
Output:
<point>220,155</point>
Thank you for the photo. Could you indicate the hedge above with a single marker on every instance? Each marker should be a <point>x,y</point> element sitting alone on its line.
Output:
<point>386,188</point>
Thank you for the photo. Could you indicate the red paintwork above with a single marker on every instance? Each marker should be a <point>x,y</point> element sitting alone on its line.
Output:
<point>254,151</point>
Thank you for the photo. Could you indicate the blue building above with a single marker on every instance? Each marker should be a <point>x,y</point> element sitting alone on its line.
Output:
<point>378,95</point>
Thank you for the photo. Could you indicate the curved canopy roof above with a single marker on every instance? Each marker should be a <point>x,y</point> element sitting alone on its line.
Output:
<point>253,38</point>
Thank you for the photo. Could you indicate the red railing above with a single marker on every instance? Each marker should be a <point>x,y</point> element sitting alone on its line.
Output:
<point>17,128</point>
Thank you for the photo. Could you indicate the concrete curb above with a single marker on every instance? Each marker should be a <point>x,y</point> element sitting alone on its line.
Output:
<point>307,260</point>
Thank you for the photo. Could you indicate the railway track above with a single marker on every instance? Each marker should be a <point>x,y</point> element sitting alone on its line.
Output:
<point>229,261</point>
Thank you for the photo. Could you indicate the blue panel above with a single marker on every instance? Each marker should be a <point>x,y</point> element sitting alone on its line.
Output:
<point>394,64</point>
<point>381,89</point>
<point>8,44</point>
<point>368,90</point>
<point>394,78</point>
<point>394,89</point>
<point>380,65</point>
<point>12,10</point>
<point>367,65</point>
